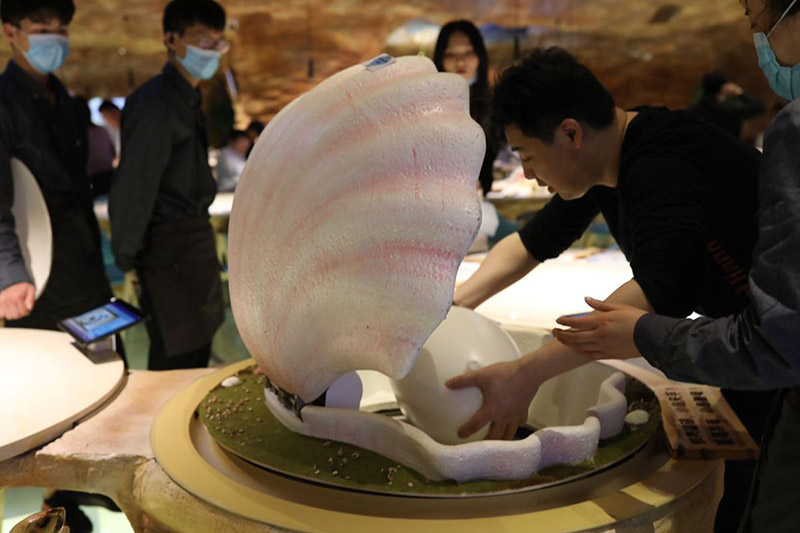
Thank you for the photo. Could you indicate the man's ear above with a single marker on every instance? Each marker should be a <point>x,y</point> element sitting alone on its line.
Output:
<point>8,31</point>
<point>169,40</point>
<point>571,129</point>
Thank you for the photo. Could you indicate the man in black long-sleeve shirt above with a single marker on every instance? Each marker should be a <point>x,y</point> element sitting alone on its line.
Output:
<point>46,129</point>
<point>162,190</point>
<point>679,195</point>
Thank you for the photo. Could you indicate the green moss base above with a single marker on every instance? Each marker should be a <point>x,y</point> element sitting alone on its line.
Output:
<point>239,420</point>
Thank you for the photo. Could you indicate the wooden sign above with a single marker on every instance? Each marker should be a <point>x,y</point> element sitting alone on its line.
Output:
<point>700,424</point>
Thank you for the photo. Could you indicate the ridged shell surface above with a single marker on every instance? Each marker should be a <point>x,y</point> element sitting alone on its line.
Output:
<point>354,211</point>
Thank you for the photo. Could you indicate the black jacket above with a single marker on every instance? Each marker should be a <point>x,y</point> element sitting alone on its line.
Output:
<point>163,175</point>
<point>46,129</point>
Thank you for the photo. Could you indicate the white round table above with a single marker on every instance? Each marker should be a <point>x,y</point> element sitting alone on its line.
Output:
<point>47,384</point>
<point>555,288</point>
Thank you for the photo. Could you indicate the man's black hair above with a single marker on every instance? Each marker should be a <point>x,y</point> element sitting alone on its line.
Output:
<point>13,11</point>
<point>181,14</point>
<point>545,87</point>
<point>255,126</point>
<point>108,105</point>
<point>712,82</point>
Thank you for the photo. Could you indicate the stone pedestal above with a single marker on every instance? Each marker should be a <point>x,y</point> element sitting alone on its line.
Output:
<point>110,454</point>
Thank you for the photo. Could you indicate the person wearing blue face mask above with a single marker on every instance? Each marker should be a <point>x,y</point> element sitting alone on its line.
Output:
<point>46,51</point>
<point>759,348</point>
<point>163,187</point>
<point>783,79</point>
<point>45,128</point>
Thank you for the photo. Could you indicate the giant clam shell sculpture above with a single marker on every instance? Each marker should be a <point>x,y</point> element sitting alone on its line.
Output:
<point>353,213</point>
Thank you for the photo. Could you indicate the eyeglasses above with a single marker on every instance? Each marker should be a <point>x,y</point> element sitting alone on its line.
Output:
<point>208,43</point>
<point>464,56</point>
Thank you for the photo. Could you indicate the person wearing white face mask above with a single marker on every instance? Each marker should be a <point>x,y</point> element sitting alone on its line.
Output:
<point>758,349</point>
<point>163,187</point>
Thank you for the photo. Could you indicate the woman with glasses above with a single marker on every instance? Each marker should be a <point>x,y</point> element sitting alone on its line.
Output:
<point>460,50</point>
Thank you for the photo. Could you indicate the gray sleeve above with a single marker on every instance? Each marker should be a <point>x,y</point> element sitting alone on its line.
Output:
<point>12,266</point>
<point>146,151</point>
<point>760,347</point>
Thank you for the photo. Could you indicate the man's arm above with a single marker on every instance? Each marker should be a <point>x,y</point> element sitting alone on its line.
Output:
<point>551,231</point>
<point>508,388</point>
<point>505,264</point>
<point>146,150</point>
<point>555,358</point>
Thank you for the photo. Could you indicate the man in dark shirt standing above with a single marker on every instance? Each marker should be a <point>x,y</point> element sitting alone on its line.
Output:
<point>679,196</point>
<point>162,190</point>
<point>46,129</point>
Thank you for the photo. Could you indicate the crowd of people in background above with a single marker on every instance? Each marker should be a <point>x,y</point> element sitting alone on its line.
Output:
<point>669,183</point>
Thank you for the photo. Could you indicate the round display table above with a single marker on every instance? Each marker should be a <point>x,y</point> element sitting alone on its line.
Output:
<point>47,385</point>
<point>650,492</point>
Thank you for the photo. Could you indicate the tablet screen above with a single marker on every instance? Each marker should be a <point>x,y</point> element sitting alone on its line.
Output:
<point>101,322</point>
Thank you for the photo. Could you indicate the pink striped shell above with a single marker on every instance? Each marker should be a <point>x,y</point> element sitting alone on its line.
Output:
<point>353,213</point>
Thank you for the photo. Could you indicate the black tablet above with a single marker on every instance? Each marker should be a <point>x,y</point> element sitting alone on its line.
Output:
<point>102,321</point>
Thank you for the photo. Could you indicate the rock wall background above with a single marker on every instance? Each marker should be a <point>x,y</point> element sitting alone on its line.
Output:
<point>645,51</point>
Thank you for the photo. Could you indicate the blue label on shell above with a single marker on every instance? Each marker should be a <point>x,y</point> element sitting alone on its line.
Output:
<point>379,62</point>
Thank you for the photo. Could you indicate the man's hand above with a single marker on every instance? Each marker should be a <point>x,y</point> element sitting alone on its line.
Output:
<point>507,392</point>
<point>607,334</point>
<point>729,90</point>
<point>505,264</point>
<point>132,277</point>
<point>16,301</point>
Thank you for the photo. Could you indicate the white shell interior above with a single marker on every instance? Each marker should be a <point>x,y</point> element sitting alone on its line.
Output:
<point>573,410</point>
<point>352,215</point>
<point>374,172</point>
